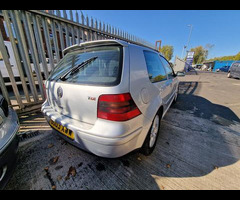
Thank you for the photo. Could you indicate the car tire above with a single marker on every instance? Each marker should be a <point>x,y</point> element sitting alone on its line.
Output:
<point>229,75</point>
<point>152,136</point>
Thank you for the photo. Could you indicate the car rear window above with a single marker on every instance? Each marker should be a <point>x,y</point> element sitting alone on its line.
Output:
<point>236,65</point>
<point>104,70</point>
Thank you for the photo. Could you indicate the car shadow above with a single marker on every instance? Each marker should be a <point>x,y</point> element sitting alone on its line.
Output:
<point>201,107</point>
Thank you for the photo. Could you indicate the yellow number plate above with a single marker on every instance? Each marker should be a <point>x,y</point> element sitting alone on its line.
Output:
<point>62,129</point>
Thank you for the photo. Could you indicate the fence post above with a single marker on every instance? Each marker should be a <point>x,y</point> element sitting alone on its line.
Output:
<point>16,55</point>
<point>39,41</point>
<point>82,17</point>
<point>10,72</point>
<point>33,49</point>
<point>77,16</point>
<point>60,32</point>
<point>48,44</point>
<point>55,42</point>
<point>24,52</point>
<point>71,15</point>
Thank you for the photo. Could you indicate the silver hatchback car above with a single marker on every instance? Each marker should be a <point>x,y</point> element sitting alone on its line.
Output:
<point>108,97</point>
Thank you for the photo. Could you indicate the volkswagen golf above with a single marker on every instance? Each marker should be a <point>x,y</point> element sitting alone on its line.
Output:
<point>108,97</point>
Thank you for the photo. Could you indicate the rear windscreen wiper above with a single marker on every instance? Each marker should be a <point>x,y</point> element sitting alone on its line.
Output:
<point>77,68</point>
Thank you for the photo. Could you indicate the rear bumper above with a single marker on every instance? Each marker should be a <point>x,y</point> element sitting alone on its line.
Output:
<point>104,138</point>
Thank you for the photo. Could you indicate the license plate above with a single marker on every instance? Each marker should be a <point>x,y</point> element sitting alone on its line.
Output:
<point>65,131</point>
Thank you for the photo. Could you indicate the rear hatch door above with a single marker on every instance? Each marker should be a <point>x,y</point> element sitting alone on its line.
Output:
<point>76,95</point>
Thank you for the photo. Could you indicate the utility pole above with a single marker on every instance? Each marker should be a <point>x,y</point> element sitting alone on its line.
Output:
<point>185,46</point>
<point>183,51</point>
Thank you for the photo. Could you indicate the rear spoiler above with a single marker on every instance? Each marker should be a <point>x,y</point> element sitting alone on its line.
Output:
<point>92,44</point>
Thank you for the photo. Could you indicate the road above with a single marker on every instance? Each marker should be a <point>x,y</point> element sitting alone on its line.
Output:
<point>198,148</point>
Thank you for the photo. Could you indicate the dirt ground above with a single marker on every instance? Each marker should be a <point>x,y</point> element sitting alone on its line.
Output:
<point>198,148</point>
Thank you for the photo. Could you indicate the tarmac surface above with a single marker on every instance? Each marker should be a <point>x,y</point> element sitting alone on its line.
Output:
<point>198,148</point>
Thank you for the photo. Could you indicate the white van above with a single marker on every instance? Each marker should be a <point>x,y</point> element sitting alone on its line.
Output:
<point>13,63</point>
<point>12,60</point>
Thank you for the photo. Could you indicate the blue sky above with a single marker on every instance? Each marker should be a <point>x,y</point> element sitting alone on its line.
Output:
<point>218,27</point>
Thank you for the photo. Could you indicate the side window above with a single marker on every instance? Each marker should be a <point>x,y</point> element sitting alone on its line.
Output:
<point>155,68</point>
<point>169,70</point>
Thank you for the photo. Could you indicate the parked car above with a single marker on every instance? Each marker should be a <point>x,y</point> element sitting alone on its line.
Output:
<point>223,69</point>
<point>108,97</point>
<point>234,70</point>
<point>9,126</point>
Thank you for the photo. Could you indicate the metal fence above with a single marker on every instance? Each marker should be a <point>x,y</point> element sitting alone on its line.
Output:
<point>179,65</point>
<point>37,38</point>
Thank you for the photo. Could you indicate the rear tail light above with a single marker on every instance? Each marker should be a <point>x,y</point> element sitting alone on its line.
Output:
<point>117,107</point>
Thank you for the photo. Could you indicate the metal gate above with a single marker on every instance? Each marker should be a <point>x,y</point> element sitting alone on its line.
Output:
<point>179,65</point>
<point>37,38</point>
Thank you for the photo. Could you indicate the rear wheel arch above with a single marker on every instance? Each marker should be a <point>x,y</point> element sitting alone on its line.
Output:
<point>148,147</point>
<point>160,111</point>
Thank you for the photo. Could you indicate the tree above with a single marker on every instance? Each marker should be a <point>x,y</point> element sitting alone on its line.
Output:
<point>167,52</point>
<point>200,54</point>
<point>234,57</point>
<point>237,57</point>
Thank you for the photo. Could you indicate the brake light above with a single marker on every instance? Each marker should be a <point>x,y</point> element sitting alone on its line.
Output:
<point>117,107</point>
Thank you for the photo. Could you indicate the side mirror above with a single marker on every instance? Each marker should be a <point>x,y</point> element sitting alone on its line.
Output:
<point>180,74</point>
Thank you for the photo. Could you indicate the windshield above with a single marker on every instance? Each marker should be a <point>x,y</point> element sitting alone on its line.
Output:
<point>105,70</point>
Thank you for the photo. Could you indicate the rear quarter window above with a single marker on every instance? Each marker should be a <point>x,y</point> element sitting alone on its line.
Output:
<point>168,68</point>
<point>156,71</point>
